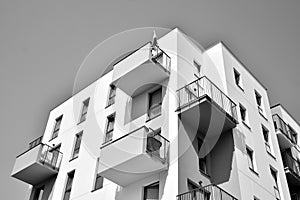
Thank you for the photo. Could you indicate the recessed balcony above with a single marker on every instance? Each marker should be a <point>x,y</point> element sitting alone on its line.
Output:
<point>210,192</point>
<point>37,164</point>
<point>292,169</point>
<point>203,106</point>
<point>287,137</point>
<point>134,156</point>
<point>137,71</point>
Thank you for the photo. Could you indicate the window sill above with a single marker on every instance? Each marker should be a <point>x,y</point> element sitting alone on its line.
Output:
<point>254,172</point>
<point>245,124</point>
<point>149,119</point>
<point>53,138</point>
<point>240,87</point>
<point>106,143</point>
<point>204,174</point>
<point>80,122</point>
<point>108,105</point>
<point>270,154</point>
<point>263,116</point>
<point>93,190</point>
<point>73,158</point>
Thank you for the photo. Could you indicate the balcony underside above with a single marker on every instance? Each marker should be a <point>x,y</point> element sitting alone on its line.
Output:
<point>35,174</point>
<point>132,170</point>
<point>284,142</point>
<point>292,179</point>
<point>128,159</point>
<point>141,78</point>
<point>205,116</point>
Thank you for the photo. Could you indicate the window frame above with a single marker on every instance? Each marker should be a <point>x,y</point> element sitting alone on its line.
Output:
<point>153,107</point>
<point>246,120</point>
<point>260,104</point>
<point>68,185</point>
<point>111,95</point>
<point>275,179</point>
<point>56,128</point>
<point>84,112</point>
<point>267,139</point>
<point>111,116</point>
<point>251,159</point>
<point>149,186</point>
<point>239,83</point>
<point>77,137</point>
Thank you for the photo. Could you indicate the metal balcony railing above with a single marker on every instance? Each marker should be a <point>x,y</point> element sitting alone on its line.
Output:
<point>291,163</point>
<point>35,142</point>
<point>47,156</point>
<point>201,87</point>
<point>284,128</point>
<point>210,192</point>
<point>156,145</point>
<point>157,55</point>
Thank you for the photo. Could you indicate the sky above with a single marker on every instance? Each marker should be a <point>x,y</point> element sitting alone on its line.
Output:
<point>43,43</point>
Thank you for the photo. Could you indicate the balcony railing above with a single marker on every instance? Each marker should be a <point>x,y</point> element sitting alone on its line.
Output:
<point>284,128</point>
<point>210,192</point>
<point>292,163</point>
<point>35,142</point>
<point>201,87</point>
<point>158,56</point>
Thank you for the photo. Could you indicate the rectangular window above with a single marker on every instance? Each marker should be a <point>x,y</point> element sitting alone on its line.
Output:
<point>56,126</point>
<point>109,128</point>
<point>38,193</point>
<point>198,67</point>
<point>202,161</point>
<point>237,78</point>
<point>250,158</point>
<point>244,114</point>
<point>155,101</point>
<point>275,183</point>
<point>259,102</point>
<point>69,185</point>
<point>84,110</point>
<point>151,192</point>
<point>266,139</point>
<point>78,138</point>
<point>98,182</point>
<point>112,95</point>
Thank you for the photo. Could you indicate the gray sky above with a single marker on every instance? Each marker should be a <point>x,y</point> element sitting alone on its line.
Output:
<point>43,43</point>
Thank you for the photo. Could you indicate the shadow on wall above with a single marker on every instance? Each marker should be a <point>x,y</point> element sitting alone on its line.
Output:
<point>45,188</point>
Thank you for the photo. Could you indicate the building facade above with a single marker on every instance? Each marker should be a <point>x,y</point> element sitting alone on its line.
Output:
<point>168,121</point>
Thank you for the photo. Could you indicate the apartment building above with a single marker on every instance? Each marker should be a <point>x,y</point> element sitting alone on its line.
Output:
<point>168,121</point>
<point>287,129</point>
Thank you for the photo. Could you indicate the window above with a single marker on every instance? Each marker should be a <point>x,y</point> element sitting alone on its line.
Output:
<point>69,185</point>
<point>244,115</point>
<point>154,145</point>
<point>259,102</point>
<point>275,182</point>
<point>109,128</point>
<point>202,161</point>
<point>250,158</point>
<point>38,193</point>
<point>84,110</point>
<point>56,127</point>
<point>98,182</point>
<point>266,139</point>
<point>237,78</point>
<point>155,101</point>
<point>151,192</point>
<point>198,67</point>
<point>78,138</point>
<point>112,95</point>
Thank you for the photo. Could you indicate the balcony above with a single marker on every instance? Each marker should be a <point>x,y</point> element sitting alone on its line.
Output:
<point>134,156</point>
<point>37,164</point>
<point>210,192</point>
<point>292,170</point>
<point>136,72</point>
<point>287,137</point>
<point>203,105</point>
